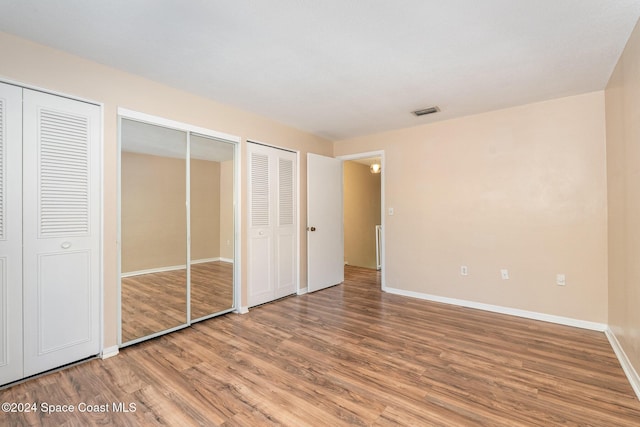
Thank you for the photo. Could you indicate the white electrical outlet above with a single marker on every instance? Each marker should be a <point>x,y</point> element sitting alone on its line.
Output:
<point>561,280</point>
<point>390,211</point>
<point>504,273</point>
<point>464,270</point>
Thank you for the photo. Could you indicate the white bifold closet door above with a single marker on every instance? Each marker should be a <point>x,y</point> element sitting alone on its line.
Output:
<point>272,224</point>
<point>60,227</point>
<point>61,235</point>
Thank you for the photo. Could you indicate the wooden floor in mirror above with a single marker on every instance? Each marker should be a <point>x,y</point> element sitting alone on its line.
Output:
<point>348,355</point>
<point>211,288</point>
<point>157,301</point>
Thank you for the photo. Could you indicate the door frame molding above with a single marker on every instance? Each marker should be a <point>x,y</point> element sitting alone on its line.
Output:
<point>383,246</point>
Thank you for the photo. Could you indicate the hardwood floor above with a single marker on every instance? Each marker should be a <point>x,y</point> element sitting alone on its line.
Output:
<point>158,301</point>
<point>348,355</point>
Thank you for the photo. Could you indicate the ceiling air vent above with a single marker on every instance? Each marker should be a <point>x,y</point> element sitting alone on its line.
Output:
<point>426,111</point>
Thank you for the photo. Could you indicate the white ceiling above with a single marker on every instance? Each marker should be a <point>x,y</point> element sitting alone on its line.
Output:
<point>341,68</point>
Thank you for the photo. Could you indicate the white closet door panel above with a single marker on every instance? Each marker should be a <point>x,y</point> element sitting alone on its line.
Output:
<point>286,263</point>
<point>11,365</point>
<point>286,190</point>
<point>61,231</point>
<point>261,284</point>
<point>260,190</point>
<point>59,328</point>
<point>286,256</point>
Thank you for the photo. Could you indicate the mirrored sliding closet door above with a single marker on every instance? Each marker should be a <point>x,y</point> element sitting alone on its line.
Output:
<point>212,245</point>
<point>177,228</point>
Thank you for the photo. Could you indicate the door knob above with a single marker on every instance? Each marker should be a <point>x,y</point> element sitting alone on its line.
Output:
<point>311,229</point>
<point>65,245</point>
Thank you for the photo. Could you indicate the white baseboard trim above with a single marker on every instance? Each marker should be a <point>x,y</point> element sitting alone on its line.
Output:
<point>203,260</point>
<point>627,367</point>
<point>110,352</point>
<point>242,310</point>
<point>174,267</point>
<point>217,259</point>
<point>567,321</point>
<point>302,291</point>
<point>153,270</point>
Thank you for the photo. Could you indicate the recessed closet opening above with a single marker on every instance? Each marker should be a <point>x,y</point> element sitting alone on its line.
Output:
<point>178,226</point>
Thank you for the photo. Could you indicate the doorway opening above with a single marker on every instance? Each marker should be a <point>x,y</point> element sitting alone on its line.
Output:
<point>363,210</point>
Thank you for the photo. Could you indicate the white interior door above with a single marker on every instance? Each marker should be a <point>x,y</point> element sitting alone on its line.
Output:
<point>61,234</point>
<point>11,366</point>
<point>325,237</point>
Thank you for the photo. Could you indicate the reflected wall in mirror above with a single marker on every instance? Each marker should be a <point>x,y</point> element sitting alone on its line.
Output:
<point>212,228</point>
<point>153,229</point>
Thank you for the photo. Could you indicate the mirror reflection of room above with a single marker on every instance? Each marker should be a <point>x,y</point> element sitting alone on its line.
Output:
<point>156,201</point>
<point>211,171</point>
<point>153,229</point>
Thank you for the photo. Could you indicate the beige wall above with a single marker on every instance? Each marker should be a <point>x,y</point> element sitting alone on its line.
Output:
<point>623,179</point>
<point>361,214</point>
<point>522,188</point>
<point>36,65</point>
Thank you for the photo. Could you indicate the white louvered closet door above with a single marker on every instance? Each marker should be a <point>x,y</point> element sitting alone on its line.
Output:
<point>61,231</point>
<point>261,280</point>
<point>11,367</point>
<point>272,224</point>
<point>285,232</point>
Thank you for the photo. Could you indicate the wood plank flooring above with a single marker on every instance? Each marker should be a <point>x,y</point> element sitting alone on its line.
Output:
<point>156,302</point>
<point>348,355</point>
